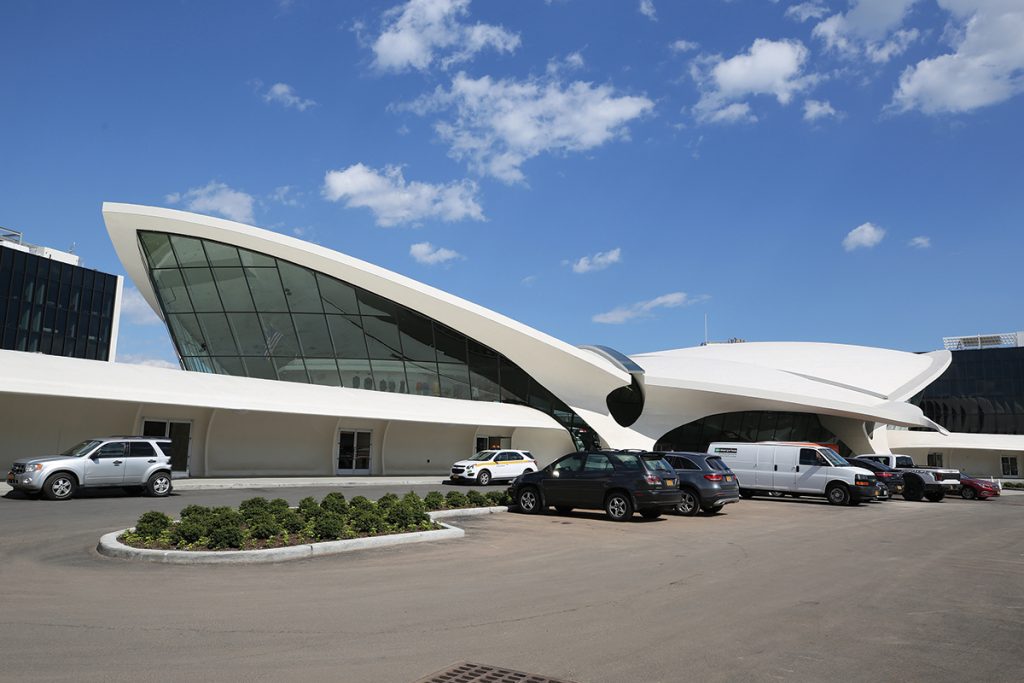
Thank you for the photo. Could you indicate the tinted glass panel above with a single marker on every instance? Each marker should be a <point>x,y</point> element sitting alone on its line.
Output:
<point>186,331</point>
<point>189,251</point>
<point>158,249</point>
<point>171,287</point>
<point>417,336</point>
<point>140,449</point>
<point>266,289</point>
<point>233,289</point>
<point>217,334</point>
<point>323,371</point>
<point>281,340</point>
<point>382,340</point>
<point>347,334</point>
<point>249,333</point>
<point>313,335</point>
<point>201,289</point>
<point>300,289</point>
<point>221,254</point>
<point>337,296</point>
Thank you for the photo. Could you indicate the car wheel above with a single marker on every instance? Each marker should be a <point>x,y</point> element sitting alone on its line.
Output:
<point>650,514</point>
<point>564,509</point>
<point>967,493</point>
<point>484,478</point>
<point>913,490</point>
<point>60,486</point>
<point>934,496</point>
<point>619,507</point>
<point>689,504</point>
<point>527,470</point>
<point>838,494</point>
<point>746,495</point>
<point>712,510</point>
<point>529,501</point>
<point>159,485</point>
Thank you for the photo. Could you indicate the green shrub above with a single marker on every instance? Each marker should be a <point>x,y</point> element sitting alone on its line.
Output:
<point>309,509</point>
<point>329,526</point>
<point>477,499</point>
<point>366,519</point>
<point>362,503</point>
<point>291,521</point>
<point>415,501</point>
<point>195,511</point>
<point>263,526</point>
<point>387,501</point>
<point>335,502</point>
<point>188,530</point>
<point>499,497</point>
<point>225,536</point>
<point>226,515</point>
<point>409,512</point>
<point>253,507</point>
<point>455,499</point>
<point>151,524</point>
<point>279,505</point>
<point>434,500</point>
<point>1013,485</point>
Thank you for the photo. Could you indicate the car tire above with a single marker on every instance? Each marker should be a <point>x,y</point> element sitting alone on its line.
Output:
<point>528,500</point>
<point>935,496</point>
<point>746,495</point>
<point>712,509</point>
<point>689,504</point>
<point>60,486</point>
<point>913,490</point>
<point>563,509</point>
<point>650,514</point>
<point>484,478</point>
<point>967,493</point>
<point>838,494</point>
<point>618,507</point>
<point>527,470</point>
<point>159,484</point>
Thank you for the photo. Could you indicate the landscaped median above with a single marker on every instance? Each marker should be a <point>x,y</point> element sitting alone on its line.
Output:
<point>262,530</point>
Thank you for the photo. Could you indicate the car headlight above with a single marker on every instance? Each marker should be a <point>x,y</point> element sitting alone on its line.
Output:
<point>33,468</point>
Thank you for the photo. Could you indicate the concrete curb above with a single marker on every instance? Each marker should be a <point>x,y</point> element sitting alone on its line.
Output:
<point>111,547</point>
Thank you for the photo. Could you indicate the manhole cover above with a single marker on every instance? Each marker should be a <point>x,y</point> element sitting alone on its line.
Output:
<point>467,672</point>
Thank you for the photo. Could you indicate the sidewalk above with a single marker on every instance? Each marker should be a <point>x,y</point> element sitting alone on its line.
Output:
<point>291,482</point>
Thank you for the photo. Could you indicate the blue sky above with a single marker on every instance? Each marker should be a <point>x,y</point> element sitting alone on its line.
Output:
<point>608,172</point>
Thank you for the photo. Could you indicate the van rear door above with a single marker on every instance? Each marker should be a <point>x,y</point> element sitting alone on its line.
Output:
<point>785,468</point>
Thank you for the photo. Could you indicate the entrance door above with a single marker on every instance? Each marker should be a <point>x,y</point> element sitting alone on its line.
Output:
<point>353,452</point>
<point>180,434</point>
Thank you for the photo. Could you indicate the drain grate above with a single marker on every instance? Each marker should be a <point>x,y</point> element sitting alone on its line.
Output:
<point>467,672</point>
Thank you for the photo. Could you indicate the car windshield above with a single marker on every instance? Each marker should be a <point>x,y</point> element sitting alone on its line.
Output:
<point>656,463</point>
<point>834,458</point>
<point>483,455</point>
<point>904,461</point>
<point>81,449</point>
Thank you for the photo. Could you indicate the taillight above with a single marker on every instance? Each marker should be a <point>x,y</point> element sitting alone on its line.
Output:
<point>713,477</point>
<point>652,479</point>
<point>883,475</point>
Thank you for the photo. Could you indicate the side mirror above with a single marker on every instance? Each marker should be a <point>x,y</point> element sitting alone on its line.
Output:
<point>555,473</point>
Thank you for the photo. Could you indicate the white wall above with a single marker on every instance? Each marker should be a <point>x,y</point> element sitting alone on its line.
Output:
<point>199,417</point>
<point>979,463</point>
<point>546,445</point>
<point>421,448</point>
<point>250,443</point>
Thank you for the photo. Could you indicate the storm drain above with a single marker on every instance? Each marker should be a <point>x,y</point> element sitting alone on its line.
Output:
<point>467,672</point>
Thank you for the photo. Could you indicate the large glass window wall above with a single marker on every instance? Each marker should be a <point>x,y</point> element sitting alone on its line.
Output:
<point>750,426</point>
<point>236,312</point>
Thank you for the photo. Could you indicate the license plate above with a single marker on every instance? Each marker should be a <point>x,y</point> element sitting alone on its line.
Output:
<point>670,482</point>
<point>10,477</point>
<point>728,477</point>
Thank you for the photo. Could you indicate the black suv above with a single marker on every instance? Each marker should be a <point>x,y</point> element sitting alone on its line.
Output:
<point>618,482</point>
<point>706,482</point>
<point>887,476</point>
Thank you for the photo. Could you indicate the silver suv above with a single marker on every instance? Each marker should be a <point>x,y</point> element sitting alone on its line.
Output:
<point>134,462</point>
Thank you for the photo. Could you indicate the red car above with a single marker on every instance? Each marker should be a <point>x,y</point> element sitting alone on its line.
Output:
<point>977,489</point>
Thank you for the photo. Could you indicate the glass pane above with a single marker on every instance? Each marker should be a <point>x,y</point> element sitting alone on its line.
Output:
<point>201,289</point>
<point>198,364</point>
<point>382,337</point>
<point>221,254</point>
<point>259,367</point>
<point>251,258</point>
<point>266,289</point>
<point>158,250</point>
<point>234,291</point>
<point>217,334</point>
<point>540,398</point>
<point>281,341</point>
<point>417,336</point>
<point>228,366</point>
<point>186,331</point>
<point>189,251</point>
<point>451,346</point>
<point>483,367</point>
<point>300,288</point>
<point>313,335</point>
<point>388,375</point>
<point>514,383</point>
<point>291,370</point>
<point>423,378</point>
<point>337,296</point>
<point>348,336</point>
<point>323,371</point>
<point>371,304</point>
<point>355,373</point>
<point>454,380</point>
<point>249,334</point>
<point>170,286</point>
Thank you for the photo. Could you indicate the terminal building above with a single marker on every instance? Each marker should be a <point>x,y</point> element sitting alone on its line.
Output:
<point>299,360</point>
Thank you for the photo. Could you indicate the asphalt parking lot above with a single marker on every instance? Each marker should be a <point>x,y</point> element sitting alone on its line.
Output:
<point>771,589</point>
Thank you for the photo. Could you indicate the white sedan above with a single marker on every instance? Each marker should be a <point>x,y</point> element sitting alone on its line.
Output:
<point>486,466</point>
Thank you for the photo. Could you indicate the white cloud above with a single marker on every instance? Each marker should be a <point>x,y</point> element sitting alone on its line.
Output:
<point>421,32</point>
<point>286,195</point>
<point>864,236</point>
<point>393,200</point>
<point>137,359</point>
<point>920,242</point>
<point>284,94</point>
<point>500,124</point>
<point>683,46</point>
<point>815,109</point>
<point>806,10</point>
<point>135,310</point>
<point>647,9</point>
<point>769,67</point>
<point>985,68</point>
<point>644,309</point>
<point>599,261</point>
<point>897,44</point>
<point>867,30</point>
<point>572,62</point>
<point>425,252</point>
<point>217,198</point>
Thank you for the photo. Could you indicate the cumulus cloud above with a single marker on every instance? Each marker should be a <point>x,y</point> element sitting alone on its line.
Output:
<point>920,242</point>
<point>647,9</point>
<point>423,32</point>
<point>394,200</point>
<point>599,261</point>
<point>427,253</point>
<point>985,68</point>
<point>815,109</point>
<point>683,46</point>
<point>769,67</point>
<point>135,310</point>
<point>571,62</point>
<point>498,125</point>
<point>216,197</point>
<point>286,195</point>
<point>284,94</point>
<point>867,29</point>
<point>644,309</point>
<point>864,236</point>
<point>137,359</point>
<point>806,10</point>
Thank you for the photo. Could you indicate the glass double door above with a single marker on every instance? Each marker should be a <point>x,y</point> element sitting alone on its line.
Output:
<point>180,434</point>
<point>353,452</point>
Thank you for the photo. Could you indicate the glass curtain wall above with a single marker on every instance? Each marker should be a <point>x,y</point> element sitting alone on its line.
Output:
<point>237,312</point>
<point>750,426</point>
<point>55,308</point>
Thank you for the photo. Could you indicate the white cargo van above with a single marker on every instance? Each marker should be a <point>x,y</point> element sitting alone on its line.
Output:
<point>799,469</point>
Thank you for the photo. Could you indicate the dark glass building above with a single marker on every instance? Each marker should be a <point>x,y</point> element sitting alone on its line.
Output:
<point>47,306</point>
<point>981,392</point>
<point>749,426</point>
<point>237,312</point>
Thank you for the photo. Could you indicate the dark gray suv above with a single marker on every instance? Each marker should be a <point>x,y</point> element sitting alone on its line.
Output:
<point>705,481</point>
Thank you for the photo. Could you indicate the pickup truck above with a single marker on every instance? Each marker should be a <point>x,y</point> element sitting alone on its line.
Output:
<point>919,482</point>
